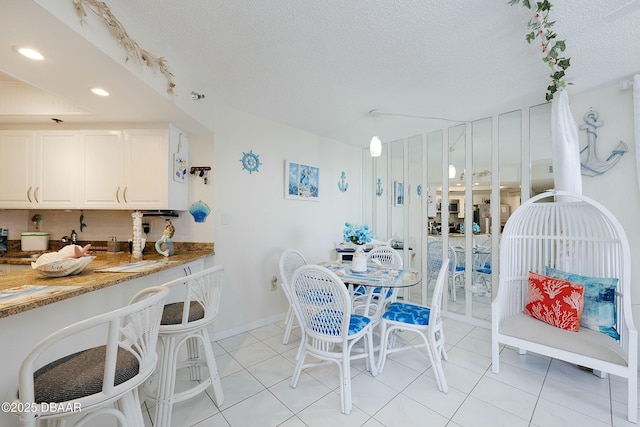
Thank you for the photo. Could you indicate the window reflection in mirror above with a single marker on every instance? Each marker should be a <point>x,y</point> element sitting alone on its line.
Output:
<point>398,190</point>
<point>452,204</point>
<point>478,277</point>
<point>540,148</point>
<point>435,143</point>
<point>415,194</point>
<point>382,192</point>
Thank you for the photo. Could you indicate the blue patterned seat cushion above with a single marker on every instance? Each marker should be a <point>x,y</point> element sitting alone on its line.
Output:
<point>407,313</point>
<point>599,311</point>
<point>329,321</point>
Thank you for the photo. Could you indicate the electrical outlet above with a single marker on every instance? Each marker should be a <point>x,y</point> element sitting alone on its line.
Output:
<point>274,281</point>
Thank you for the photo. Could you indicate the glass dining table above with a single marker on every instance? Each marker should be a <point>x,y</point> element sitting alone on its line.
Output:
<point>367,287</point>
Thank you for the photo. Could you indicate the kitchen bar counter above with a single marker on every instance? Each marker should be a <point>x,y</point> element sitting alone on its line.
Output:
<point>91,280</point>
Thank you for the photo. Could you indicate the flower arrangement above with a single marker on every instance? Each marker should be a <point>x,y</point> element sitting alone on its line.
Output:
<point>475,228</point>
<point>357,234</point>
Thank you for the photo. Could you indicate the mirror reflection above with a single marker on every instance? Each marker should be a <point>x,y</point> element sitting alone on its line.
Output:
<point>449,192</point>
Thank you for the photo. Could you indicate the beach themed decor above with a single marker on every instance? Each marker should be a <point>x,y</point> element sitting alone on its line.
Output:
<point>164,246</point>
<point>301,181</point>
<point>250,161</point>
<point>343,185</point>
<point>199,210</point>
<point>359,235</point>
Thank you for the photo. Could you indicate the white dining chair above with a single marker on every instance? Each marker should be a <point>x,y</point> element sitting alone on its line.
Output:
<point>98,381</point>
<point>323,305</point>
<point>290,261</point>
<point>424,321</point>
<point>384,256</point>
<point>456,271</point>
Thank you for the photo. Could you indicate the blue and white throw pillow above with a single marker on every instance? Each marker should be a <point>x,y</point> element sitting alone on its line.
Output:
<point>600,313</point>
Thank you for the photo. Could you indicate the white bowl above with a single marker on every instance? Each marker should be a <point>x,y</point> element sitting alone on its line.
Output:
<point>63,267</point>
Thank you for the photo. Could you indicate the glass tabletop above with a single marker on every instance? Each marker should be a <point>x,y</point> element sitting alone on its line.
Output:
<point>375,275</point>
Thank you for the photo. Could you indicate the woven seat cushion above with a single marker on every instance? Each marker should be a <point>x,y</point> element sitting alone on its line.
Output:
<point>80,374</point>
<point>407,313</point>
<point>172,313</point>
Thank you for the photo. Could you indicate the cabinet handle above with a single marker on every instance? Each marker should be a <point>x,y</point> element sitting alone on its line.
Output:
<point>35,194</point>
<point>118,195</point>
<point>124,195</point>
<point>29,194</point>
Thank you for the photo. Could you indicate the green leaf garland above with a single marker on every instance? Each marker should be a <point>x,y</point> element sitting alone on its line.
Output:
<point>540,26</point>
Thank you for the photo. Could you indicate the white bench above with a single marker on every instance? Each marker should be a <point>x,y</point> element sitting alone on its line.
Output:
<point>576,234</point>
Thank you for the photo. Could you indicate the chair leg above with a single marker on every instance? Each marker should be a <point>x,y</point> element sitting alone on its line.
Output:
<point>436,362</point>
<point>289,325</point>
<point>345,386</point>
<point>218,395</point>
<point>166,383</point>
<point>193,355</point>
<point>129,405</point>
<point>384,338</point>
<point>298,369</point>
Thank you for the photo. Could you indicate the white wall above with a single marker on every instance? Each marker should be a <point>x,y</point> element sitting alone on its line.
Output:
<point>616,189</point>
<point>262,223</point>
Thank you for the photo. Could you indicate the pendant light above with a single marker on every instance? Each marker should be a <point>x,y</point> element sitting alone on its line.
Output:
<point>375,146</point>
<point>452,171</point>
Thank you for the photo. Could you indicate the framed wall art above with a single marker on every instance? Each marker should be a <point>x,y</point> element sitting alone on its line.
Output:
<point>301,181</point>
<point>398,195</point>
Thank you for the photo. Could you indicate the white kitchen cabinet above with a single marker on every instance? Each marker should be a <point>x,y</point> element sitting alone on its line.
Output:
<point>134,169</point>
<point>103,169</point>
<point>44,169</point>
<point>180,271</point>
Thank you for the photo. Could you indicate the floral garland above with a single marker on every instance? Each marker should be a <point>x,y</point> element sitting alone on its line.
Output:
<point>119,32</point>
<point>540,26</point>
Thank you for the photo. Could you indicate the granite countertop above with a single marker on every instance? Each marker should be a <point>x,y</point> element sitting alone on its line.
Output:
<point>91,280</point>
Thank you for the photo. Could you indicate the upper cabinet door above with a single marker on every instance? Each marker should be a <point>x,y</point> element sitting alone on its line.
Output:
<point>103,170</point>
<point>146,168</point>
<point>17,153</point>
<point>58,173</point>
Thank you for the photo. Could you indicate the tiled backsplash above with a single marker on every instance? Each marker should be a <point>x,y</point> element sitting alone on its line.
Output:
<point>100,225</point>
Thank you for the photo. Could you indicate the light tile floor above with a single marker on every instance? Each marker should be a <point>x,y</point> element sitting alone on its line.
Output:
<point>530,390</point>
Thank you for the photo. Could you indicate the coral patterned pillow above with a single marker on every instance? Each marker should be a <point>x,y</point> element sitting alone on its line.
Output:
<point>555,301</point>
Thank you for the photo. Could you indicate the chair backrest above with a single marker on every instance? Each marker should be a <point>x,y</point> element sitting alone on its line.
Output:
<point>569,232</point>
<point>436,299</point>
<point>290,261</point>
<point>133,328</point>
<point>386,255</point>
<point>322,304</point>
<point>198,299</point>
<point>434,259</point>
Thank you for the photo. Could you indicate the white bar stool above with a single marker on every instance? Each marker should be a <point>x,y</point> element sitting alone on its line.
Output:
<point>185,323</point>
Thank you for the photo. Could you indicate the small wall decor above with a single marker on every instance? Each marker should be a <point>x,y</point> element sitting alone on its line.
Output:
<point>201,171</point>
<point>164,246</point>
<point>379,189</point>
<point>301,182</point>
<point>398,196</point>
<point>250,161</point>
<point>589,162</point>
<point>419,190</point>
<point>342,184</point>
<point>179,164</point>
<point>199,210</point>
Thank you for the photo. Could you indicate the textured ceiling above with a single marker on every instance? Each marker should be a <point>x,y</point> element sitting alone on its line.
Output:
<point>321,66</point>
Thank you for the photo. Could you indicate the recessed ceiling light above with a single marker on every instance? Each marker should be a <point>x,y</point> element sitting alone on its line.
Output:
<point>30,53</point>
<point>99,91</point>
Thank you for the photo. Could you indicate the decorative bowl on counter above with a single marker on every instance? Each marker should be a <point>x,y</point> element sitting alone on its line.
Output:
<point>62,267</point>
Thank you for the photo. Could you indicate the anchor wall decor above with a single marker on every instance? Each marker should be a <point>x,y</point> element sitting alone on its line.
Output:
<point>343,185</point>
<point>379,188</point>
<point>589,162</point>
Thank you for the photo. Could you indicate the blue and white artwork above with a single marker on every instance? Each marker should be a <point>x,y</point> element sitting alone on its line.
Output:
<point>301,181</point>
